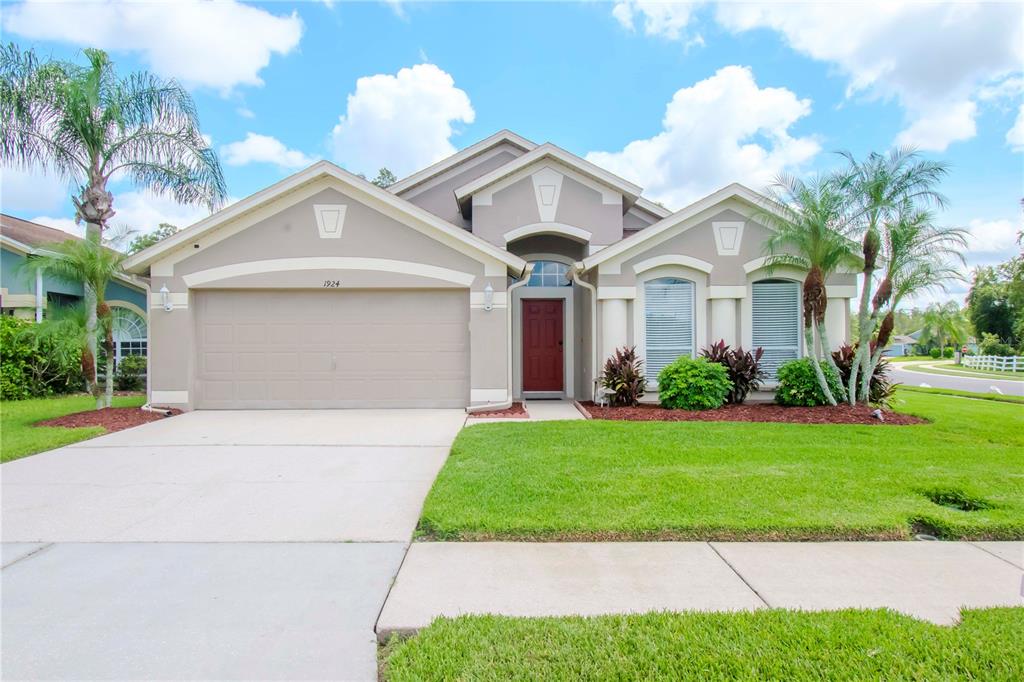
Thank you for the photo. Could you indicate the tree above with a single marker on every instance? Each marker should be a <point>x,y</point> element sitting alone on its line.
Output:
<point>92,264</point>
<point>385,178</point>
<point>145,241</point>
<point>879,190</point>
<point>84,124</point>
<point>811,232</point>
<point>944,322</point>
<point>989,303</point>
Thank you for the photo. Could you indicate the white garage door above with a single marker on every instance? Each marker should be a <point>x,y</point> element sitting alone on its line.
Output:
<point>322,349</point>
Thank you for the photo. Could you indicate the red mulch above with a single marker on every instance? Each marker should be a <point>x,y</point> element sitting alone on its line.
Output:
<point>518,410</point>
<point>110,418</point>
<point>754,412</point>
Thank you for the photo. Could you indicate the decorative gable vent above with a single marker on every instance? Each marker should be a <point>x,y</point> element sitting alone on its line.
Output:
<point>728,237</point>
<point>330,219</point>
<point>547,188</point>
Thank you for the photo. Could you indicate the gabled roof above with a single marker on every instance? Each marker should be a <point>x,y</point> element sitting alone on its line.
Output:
<point>633,242</point>
<point>629,191</point>
<point>31,234</point>
<point>653,208</point>
<point>421,176</point>
<point>413,216</point>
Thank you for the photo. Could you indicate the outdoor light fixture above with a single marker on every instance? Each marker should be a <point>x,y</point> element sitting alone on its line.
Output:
<point>165,296</point>
<point>488,296</point>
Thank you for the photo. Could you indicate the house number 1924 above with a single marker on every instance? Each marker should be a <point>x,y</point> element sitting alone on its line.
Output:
<point>332,283</point>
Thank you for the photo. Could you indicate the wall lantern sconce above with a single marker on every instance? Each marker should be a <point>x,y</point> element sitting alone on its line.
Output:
<point>488,297</point>
<point>165,296</point>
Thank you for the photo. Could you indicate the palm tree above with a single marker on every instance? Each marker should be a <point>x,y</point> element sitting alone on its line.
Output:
<point>944,321</point>
<point>879,188</point>
<point>92,264</point>
<point>811,232</point>
<point>86,124</point>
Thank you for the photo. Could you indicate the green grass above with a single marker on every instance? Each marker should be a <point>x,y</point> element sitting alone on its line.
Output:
<point>965,394</point>
<point>912,358</point>
<point>593,480</point>
<point>763,645</point>
<point>18,438</point>
<point>959,371</point>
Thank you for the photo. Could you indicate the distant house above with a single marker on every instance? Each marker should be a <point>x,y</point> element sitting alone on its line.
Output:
<point>31,294</point>
<point>901,345</point>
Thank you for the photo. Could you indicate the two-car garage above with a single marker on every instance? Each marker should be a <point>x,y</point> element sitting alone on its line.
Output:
<point>331,348</point>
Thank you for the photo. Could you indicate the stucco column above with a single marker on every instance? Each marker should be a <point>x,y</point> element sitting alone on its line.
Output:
<point>723,321</point>
<point>836,315</point>
<point>613,326</point>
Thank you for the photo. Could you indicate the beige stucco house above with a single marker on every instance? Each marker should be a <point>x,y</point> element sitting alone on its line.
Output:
<point>508,270</point>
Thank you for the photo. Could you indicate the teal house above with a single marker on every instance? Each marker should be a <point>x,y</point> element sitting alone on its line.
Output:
<point>30,294</point>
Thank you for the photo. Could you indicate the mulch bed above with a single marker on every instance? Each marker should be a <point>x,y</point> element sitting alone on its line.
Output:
<point>110,418</point>
<point>517,411</point>
<point>754,412</point>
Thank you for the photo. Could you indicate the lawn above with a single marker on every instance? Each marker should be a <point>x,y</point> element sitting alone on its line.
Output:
<point>18,438</point>
<point>911,358</point>
<point>593,480</point>
<point>763,645</point>
<point>997,397</point>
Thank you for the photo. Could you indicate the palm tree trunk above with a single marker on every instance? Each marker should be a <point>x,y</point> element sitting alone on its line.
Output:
<point>827,350</point>
<point>822,381</point>
<point>91,379</point>
<point>109,387</point>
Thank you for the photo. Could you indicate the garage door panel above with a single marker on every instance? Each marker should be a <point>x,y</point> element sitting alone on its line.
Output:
<point>344,349</point>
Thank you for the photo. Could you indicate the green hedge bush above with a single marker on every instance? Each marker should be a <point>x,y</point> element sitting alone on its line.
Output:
<point>31,366</point>
<point>798,384</point>
<point>935,353</point>
<point>130,374</point>
<point>693,384</point>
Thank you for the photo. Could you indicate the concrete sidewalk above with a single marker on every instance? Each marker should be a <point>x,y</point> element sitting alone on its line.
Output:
<point>929,580</point>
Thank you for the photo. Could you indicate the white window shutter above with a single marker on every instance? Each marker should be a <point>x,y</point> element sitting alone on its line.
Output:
<point>668,323</point>
<point>776,324</point>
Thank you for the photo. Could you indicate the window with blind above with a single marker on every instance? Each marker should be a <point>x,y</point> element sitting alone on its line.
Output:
<point>668,323</point>
<point>776,323</point>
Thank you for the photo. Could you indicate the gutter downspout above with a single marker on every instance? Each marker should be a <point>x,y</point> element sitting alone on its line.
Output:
<point>39,295</point>
<point>490,407</point>
<point>575,273</point>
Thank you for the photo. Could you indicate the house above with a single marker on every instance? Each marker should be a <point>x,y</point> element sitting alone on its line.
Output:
<point>31,294</point>
<point>900,346</point>
<point>507,270</point>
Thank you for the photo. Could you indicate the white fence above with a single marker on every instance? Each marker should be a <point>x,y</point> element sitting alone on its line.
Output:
<point>999,363</point>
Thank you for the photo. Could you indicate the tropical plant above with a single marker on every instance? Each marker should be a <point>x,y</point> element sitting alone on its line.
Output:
<point>693,384</point>
<point>881,389</point>
<point>623,377</point>
<point>812,232</point>
<point>743,368</point>
<point>131,373</point>
<point>36,360</point>
<point>944,323</point>
<point>92,264</point>
<point>86,124</point>
<point>881,190</point>
<point>799,385</point>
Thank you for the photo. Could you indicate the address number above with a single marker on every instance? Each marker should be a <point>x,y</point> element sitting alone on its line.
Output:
<point>332,283</point>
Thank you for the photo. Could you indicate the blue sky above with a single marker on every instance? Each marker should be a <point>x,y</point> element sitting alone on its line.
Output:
<point>680,98</point>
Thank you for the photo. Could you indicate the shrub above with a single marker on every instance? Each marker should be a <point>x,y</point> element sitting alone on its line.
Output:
<point>991,344</point>
<point>693,384</point>
<point>623,377</point>
<point>130,373</point>
<point>798,384</point>
<point>34,364</point>
<point>881,389</point>
<point>947,352</point>
<point>935,353</point>
<point>743,368</point>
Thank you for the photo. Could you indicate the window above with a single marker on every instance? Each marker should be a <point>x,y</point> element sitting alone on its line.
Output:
<point>668,322</point>
<point>129,333</point>
<point>776,323</point>
<point>549,273</point>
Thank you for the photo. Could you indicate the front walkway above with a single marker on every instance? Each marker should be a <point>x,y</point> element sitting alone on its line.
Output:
<point>929,580</point>
<point>214,545</point>
<point>537,411</point>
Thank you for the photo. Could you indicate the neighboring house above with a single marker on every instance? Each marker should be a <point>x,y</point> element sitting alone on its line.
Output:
<point>30,294</point>
<point>900,346</point>
<point>507,270</point>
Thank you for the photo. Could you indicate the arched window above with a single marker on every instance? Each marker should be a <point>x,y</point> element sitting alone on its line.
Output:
<point>775,305</point>
<point>549,273</point>
<point>129,333</point>
<point>668,322</point>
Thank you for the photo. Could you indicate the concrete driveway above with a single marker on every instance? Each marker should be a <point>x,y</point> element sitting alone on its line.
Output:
<point>227,545</point>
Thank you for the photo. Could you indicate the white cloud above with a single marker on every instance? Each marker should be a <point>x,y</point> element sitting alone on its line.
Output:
<point>664,19</point>
<point>217,44</point>
<point>720,130</point>
<point>991,241</point>
<point>24,191</point>
<point>936,59</point>
<point>66,224</point>
<point>245,112</point>
<point>1015,136</point>
<point>402,121</point>
<point>257,148</point>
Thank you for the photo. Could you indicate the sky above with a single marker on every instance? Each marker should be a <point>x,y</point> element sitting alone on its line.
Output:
<point>680,98</point>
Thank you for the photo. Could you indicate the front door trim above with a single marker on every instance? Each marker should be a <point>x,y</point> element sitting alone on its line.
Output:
<point>568,356</point>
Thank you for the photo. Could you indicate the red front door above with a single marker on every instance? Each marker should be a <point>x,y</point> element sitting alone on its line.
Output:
<point>543,369</point>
